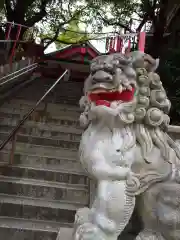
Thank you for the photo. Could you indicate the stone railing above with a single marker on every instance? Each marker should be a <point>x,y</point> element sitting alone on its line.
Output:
<point>14,67</point>
<point>174,132</point>
<point>16,76</point>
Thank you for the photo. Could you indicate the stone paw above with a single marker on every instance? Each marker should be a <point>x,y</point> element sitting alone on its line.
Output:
<point>105,224</point>
<point>88,231</point>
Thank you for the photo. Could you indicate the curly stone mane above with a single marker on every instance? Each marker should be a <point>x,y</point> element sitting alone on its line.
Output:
<point>151,114</point>
<point>147,114</point>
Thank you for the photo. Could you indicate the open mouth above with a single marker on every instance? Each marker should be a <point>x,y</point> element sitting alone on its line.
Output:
<point>105,97</point>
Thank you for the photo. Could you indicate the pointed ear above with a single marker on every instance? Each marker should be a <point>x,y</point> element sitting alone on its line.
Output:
<point>156,64</point>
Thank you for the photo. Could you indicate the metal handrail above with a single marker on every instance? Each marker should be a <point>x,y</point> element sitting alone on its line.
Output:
<point>9,80</point>
<point>15,130</point>
<point>29,66</point>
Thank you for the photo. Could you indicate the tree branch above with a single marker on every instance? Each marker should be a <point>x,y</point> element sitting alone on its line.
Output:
<point>145,19</point>
<point>149,15</point>
<point>22,6</point>
<point>108,22</point>
<point>68,43</point>
<point>39,15</point>
<point>60,27</point>
<point>53,39</point>
<point>9,11</point>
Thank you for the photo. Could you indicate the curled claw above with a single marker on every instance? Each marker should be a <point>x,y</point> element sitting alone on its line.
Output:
<point>83,120</point>
<point>88,231</point>
<point>105,224</point>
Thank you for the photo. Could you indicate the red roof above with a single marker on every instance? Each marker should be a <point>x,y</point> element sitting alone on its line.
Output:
<point>76,52</point>
<point>75,57</point>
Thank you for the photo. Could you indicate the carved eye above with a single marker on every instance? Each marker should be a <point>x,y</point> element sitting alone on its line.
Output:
<point>108,67</point>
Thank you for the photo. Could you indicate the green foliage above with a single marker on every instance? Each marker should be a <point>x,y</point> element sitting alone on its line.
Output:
<point>72,34</point>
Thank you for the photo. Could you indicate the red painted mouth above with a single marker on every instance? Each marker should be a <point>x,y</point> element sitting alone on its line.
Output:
<point>104,98</point>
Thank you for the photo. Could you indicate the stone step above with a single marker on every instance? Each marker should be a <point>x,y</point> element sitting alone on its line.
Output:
<point>36,209</point>
<point>59,93</point>
<point>43,151</point>
<point>35,131</point>
<point>53,96</point>
<point>44,122</point>
<point>42,116</point>
<point>45,174</point>
<point>47,129</point>
<point>50,107</point>
<point>69,86</point>
<point>70,165</point>
<point>72,100</point>
<point>26,229</point>
<point>43,141</point>
<point>74,194</point>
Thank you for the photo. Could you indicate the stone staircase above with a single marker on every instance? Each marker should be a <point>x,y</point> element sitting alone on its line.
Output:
<point>40,192</point>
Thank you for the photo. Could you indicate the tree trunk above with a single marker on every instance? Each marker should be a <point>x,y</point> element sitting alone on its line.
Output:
<point>159,23</point>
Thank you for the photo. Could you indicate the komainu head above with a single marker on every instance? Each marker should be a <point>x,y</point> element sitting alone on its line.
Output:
<point>130,84</point>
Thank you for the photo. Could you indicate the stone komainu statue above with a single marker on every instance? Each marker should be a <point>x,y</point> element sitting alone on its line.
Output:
<point>126,149</point>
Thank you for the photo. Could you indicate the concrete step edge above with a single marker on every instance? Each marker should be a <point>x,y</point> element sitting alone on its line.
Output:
<point>49,147</point>
<point>56,169</point>
<point>46,127</point>
<point>63,116</point>
<point>39,155</point>
<point>37,202</point>
<point>53,113</point>
<point>43,183</point>
<point>34,225</point>
<point>34,136</point>
<point>61,106</point>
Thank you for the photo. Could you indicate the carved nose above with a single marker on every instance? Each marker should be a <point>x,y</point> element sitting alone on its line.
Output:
<point>102,76</point>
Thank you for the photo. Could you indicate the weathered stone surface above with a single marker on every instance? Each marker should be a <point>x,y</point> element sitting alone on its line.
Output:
<point>36,212</point>
<point>44,190</point>
<point>64,91</point>
<point>39,150</point>
<point>65,233</point>
<point>42,141</point>
<point>44,187</point>
<point>47,127</point>
<point>50,163</point>
<point>44,174</point>
<point>60,120</point>
<point>26,234</point>
<point>34,131</point>
<point>49,107</point>
<point>175,136</point>
<point>23,229</point>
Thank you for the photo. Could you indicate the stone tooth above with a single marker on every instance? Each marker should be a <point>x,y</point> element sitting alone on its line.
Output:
<point>120,88</point>
<point>129,87</point>
<point>124,88</point>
